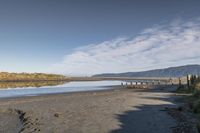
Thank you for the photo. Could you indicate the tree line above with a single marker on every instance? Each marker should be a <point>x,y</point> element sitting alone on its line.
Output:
<point>6,76</point>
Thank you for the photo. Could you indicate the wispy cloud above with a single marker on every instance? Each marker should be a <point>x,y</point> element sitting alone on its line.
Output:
<point>173,44</point>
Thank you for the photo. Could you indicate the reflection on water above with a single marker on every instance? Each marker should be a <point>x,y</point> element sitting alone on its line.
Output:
<point>5,85</point>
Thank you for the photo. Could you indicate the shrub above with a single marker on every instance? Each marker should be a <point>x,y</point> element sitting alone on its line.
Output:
<point>184,89</point>
<point>196,94</point>
<point>196,106</point>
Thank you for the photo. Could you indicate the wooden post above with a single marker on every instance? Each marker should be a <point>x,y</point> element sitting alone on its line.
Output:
<point>135,83</point>
<point>179,81</point>
<point>171,81</point>
<point>188,81</point>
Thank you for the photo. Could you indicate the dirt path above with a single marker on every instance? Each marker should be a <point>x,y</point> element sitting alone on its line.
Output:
<point>116,111</point>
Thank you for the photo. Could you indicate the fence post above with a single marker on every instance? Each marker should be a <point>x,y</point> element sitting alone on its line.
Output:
<point>171,81</point>
<point>188,81</point>
<point>179,81</point>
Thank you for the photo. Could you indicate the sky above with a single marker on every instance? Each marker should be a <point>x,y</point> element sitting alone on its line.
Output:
<point>86,37</point>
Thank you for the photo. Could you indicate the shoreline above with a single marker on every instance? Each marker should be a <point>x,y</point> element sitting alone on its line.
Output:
<point>111,88</point>
<point>106,88</point>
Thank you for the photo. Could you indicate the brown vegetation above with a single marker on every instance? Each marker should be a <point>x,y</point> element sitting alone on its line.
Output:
<point>5,76</point>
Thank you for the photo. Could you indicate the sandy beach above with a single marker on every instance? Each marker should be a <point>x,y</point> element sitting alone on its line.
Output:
<point>110,111</point>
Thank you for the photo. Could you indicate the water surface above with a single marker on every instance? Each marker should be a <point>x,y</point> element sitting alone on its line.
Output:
<point>36,88</point>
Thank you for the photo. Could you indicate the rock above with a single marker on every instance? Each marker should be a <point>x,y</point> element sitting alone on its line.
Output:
<point>56,115</point>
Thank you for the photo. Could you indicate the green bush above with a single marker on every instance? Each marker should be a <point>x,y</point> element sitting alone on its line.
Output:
<point>184,89</point>
<point>196,94</point>
<point>196,106</point>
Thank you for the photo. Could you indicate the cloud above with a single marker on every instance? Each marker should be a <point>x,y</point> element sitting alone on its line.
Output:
<point>177,43</point>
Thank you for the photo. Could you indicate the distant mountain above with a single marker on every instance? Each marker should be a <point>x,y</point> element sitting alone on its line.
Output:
<point>166,72</point>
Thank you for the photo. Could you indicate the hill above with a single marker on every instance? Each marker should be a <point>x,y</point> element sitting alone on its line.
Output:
<point>166,72</point>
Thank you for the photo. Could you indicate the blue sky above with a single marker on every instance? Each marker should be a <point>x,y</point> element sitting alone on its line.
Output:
<point>60,36</point>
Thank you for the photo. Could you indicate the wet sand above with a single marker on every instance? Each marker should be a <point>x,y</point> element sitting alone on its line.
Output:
<point>110,111</point>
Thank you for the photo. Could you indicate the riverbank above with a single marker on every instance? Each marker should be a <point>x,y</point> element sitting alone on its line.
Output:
<point>108,111</point>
